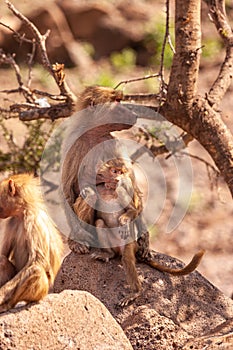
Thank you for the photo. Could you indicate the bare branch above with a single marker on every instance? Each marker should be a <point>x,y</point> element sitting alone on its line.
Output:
<point>140,97</point>
<point>161,70</point>
<point>224,79</point>
<point>7,114</point>
<point>149,76</point>
<point>160,75</point>
<point>208,164</point>
<point>34,107</point>
<point>218,16</point>
<point>30,62</point>
<point>17,36</point>
<point>57,70</point>
<point>51,96</point>
<point>170,147</point>
<point>170,43</point>
<point>9,59</point>
<point>40,39</point>
<point>54,112</point>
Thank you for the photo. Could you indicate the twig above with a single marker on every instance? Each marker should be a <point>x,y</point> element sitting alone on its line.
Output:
<point>32,109</point>
<point>140,97</point>
<point>208,165</point>
<point>171,147</point>
<point>9,59</point>
<point>8,114</point>
<point>161,70</point>
<point>51,96</point>
<point>166,39</point>
<point>30,62</point>
<point>17,36</point>
<point>40,39</point>
<point>56,70</point>
<point>149,76</point>
<point>170,43</point>
<point>139,152</point>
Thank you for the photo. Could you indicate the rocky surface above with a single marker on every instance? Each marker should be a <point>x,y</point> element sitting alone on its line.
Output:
<point>69,320</point>
<point>171,311</point>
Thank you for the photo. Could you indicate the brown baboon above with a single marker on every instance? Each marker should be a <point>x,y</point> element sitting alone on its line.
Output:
<point>114,117</point>
<point>31,246</point>
<point>117,206</point>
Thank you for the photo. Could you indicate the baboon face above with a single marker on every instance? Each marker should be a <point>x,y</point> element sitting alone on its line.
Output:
<point>112,170</point>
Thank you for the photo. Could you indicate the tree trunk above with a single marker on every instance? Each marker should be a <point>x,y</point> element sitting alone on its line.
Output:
<point>183,106</point>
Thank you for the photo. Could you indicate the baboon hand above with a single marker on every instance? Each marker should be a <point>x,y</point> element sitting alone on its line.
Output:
<point>124,219</point>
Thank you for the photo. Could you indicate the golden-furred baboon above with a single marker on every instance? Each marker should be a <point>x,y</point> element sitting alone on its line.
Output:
<point>31,246</point>
<point>117,204</point>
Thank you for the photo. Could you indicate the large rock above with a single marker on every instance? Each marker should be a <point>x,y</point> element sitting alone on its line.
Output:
<point>171,311</point>
<point>70,320</point>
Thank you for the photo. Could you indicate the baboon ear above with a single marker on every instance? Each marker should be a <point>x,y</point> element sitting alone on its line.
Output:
<point>11,188</point>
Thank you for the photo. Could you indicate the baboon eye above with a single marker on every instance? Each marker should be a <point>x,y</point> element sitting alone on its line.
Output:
<point>113,170</point>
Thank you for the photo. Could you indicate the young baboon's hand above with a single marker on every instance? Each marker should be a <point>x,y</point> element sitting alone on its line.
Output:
<point>124,219</point>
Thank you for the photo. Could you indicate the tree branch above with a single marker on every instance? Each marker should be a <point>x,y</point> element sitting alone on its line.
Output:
<point>40,39</point>
<point>165,40</point>
<point>132,80</point>
<point>193,113</point>
<point>54,112</point>
<point>9,59</point>
<point>56,71</point>
<point>224,79</point>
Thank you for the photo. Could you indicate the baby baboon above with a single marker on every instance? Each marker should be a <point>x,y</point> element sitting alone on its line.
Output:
<point>117,205</point>
<point>31,246</point>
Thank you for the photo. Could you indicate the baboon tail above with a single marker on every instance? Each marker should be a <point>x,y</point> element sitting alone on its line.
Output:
<point>179,272</point>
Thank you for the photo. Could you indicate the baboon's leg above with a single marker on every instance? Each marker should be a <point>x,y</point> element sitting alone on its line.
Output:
<point>30,284</point>
<point>129,260</point>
